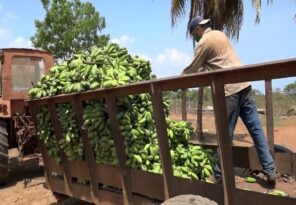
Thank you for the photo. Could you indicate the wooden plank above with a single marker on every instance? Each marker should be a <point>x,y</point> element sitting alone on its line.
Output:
<point>223,140</point>
<point>253,159</point>
<point>148,184</point>
<point>270,70</point>
<point>200,94</point>
<point>269,115</point>
<point>122,90</point>
<point>187,186</point>
<point>88,151</point>
<point>163,142</point>
<point>263,71</point>
<point>293,164</point>
<point>249,197</point>
<point>80,170</point>
<point>119,145</point>
<point>55,166</point>
<point>83,192</point>
<point>285,161</point>
<point>109,175</point>
<point>58,133</point>
<point>110,198</point>
<point>58,185</point>
<point>184,103</point>
<point>46,158</point>
<point>145,201</point>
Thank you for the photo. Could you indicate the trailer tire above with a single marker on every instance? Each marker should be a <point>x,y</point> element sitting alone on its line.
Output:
<point>3,152</point>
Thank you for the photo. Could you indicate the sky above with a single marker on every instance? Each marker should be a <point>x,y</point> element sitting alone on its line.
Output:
<point>144,28</point>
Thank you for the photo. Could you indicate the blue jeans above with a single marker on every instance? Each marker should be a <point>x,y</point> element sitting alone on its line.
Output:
<point>242,104</point>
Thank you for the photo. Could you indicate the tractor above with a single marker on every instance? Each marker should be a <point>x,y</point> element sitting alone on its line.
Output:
<point>19,69</point>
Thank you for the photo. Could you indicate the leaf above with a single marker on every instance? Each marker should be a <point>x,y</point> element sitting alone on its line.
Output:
<point>69,27</point>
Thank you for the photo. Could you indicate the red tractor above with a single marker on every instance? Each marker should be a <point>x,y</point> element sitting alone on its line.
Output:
<point>19,70</point>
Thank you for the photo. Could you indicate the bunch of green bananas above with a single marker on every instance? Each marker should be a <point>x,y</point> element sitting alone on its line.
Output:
<point>71,142</point>
<point>178,132</point>
<point>192,161</point>
<point>46,132</point>
<point>104,67</point>
<point>107,67</point>
<point>95,121</point>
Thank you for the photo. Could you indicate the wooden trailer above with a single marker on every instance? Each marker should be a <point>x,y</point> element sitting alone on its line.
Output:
<point>129,186</point>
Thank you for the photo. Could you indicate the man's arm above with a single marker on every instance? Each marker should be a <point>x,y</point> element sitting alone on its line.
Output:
<point>198,61</point>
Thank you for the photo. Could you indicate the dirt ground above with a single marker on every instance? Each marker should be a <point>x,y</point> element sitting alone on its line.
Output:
<point>19,192</point>
<point>26,185</point>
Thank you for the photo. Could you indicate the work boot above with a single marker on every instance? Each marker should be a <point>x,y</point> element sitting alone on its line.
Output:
<point>272,178</point>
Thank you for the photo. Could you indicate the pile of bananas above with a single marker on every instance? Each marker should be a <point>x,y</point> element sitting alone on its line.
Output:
<point>107,67</point>
<point>71,142</point>
<point>46,132</point>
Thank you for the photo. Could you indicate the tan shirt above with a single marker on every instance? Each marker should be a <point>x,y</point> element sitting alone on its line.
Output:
<point>213,52</point>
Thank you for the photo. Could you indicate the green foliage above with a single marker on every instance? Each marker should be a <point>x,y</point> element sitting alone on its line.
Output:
<point>290,89</point>
<point>69,27</point>
<point>283,101</point>
<point>257,92</point>
<point>191,96</point>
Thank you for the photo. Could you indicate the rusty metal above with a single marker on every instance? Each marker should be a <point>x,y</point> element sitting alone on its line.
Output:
<point>8,93</point>
<point>25,135</point>
<point>13,108</point>
<point>150,185</point>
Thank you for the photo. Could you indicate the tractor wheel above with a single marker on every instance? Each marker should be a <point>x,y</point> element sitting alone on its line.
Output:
<point>3,152</point>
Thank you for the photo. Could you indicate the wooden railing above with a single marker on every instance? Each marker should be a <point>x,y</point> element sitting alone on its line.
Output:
<point>156,186</point>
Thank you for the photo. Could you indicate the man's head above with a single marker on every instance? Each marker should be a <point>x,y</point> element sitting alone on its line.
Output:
<point>197,26</point>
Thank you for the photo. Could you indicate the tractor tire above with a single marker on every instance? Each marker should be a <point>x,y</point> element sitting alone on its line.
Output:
<point>3,152</point>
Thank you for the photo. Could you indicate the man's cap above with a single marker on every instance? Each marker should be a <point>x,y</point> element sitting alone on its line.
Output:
<point>197,21</point>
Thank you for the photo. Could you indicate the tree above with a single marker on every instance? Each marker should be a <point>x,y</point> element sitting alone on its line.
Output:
<point>290,89</point>
<point>225,15</point>
<point>257,92</point>
<point>69,27</point>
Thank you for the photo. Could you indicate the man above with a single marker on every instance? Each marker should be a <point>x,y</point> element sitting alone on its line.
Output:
<point>214,51</point>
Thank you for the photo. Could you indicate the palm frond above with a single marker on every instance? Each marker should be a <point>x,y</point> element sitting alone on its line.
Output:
<point>257,5</point>
<point>226,15</point>
<point>195,8</point>
<point>178,8</point>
